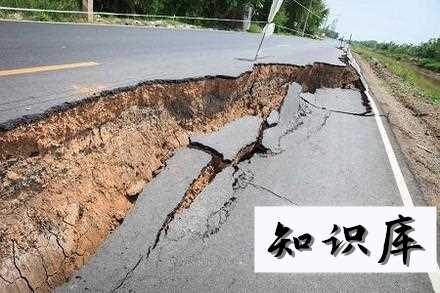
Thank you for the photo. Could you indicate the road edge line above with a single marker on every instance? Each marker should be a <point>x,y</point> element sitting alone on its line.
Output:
<point>434,277</point>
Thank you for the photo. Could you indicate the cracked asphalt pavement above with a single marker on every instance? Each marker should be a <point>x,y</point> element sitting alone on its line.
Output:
<point>126,56</point>
<point>321,149</point>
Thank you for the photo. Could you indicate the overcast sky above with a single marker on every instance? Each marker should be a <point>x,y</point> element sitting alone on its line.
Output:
<point>410,21</point>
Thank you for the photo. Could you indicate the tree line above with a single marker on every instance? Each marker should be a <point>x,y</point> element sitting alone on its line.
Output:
<point>426,54</point>
<point>291,14</point>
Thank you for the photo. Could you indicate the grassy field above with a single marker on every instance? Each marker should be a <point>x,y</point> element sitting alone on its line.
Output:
<point>410,74</point>
<point>43,4</point>
<point>425,54</point>
<point>72,5</point>
<point>428,63</point>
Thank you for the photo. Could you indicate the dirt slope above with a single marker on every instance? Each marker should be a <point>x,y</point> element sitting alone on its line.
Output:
<point>415,121</point>
<point>68,179</point>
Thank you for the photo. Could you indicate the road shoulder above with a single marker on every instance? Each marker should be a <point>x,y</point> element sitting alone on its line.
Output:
<point>414,126</point>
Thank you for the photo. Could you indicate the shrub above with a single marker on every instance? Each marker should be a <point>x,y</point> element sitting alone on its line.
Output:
<point>255,28</point>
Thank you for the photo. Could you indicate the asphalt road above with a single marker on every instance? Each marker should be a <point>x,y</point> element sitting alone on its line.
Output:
<point>126,56</point>
<point>317,158</point>
<point>328,159</point>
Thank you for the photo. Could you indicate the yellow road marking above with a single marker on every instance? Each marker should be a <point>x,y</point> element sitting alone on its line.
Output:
<point>45,68</point>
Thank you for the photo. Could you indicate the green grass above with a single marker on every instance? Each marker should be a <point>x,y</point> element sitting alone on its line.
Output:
<point>42,16</point>
<point>430,64</point>
<point>408,72</point>
<point>255,28</point>
<point>426,54</point>
<point>71,5</point>
<point>79,18</point>
<point>43,4</point>
<point>427,63</point>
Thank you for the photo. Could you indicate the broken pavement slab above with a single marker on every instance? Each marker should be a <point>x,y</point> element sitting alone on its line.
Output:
<point>273,118</point>
<point>208,247</point>
<point>288,112</point>
<point>307,113</point>
<point>289,108</point>
<point>130,244</point>
<point>117,152</point>
<point>348,101</point>
<point>318,150</point>
<point>233,137</point>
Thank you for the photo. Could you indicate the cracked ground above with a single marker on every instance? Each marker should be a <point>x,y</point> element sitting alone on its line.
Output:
<point>69,179</point>
<point>191,229</point>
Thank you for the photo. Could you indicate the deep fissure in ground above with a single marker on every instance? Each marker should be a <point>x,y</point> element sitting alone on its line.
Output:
<point>68,179</point>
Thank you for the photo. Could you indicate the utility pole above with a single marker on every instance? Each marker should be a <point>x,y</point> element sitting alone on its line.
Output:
<point>247,17</point>
<point>87,6</point>
<point>307,18</point>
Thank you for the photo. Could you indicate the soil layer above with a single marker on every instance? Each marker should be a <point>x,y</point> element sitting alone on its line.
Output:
<point>68,178</point>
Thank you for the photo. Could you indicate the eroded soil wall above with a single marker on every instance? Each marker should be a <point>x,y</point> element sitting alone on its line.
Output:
<point>69,179</point>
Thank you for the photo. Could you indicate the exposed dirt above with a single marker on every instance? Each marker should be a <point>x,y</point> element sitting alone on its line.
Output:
<point>415,121</point>
<point>68,179</point>
<point>208,173</point>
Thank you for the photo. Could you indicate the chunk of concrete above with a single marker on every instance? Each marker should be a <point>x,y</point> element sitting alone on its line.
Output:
<point>288,113</point>
<point>131,241</point>
<point>231,138</point>
<point>289,108</point>
<point>345,100</point>
<point>273,118</point>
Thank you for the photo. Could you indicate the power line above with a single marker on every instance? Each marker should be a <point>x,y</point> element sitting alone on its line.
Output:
<point>295,31</point>
<point>127,14</point>
<point>305,8</point>
<point>307,18</point>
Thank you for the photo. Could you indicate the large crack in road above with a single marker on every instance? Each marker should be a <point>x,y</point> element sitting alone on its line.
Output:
<point>232,150</point>
<point>80,169</point>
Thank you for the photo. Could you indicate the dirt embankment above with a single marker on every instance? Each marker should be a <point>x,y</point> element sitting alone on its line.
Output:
<point>415,121</point>
<point>69,179</point>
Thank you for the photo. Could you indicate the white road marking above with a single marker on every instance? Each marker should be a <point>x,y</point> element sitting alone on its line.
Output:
<point>398,176</point>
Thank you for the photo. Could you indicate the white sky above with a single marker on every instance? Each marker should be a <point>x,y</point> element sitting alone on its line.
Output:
<point>401,21</point>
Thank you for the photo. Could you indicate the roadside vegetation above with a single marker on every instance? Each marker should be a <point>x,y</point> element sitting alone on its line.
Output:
<point>291,14</point>
<point>41,4</point>
<point>410,63</point>
<point>426,54</point>
<point>255,28</point>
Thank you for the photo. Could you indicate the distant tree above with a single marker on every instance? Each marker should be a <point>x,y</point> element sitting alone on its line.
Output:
<point>328,32</point>
<point>291,14</point>
<point>430,49</point>
<point>294,15</point>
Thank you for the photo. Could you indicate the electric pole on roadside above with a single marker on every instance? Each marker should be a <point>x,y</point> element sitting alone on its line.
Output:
<point>307,18</point>
<point>87,6</point>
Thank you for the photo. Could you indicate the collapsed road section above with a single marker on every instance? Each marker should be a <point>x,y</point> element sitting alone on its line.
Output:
<point>207,245</point>
<point>69,177</point>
